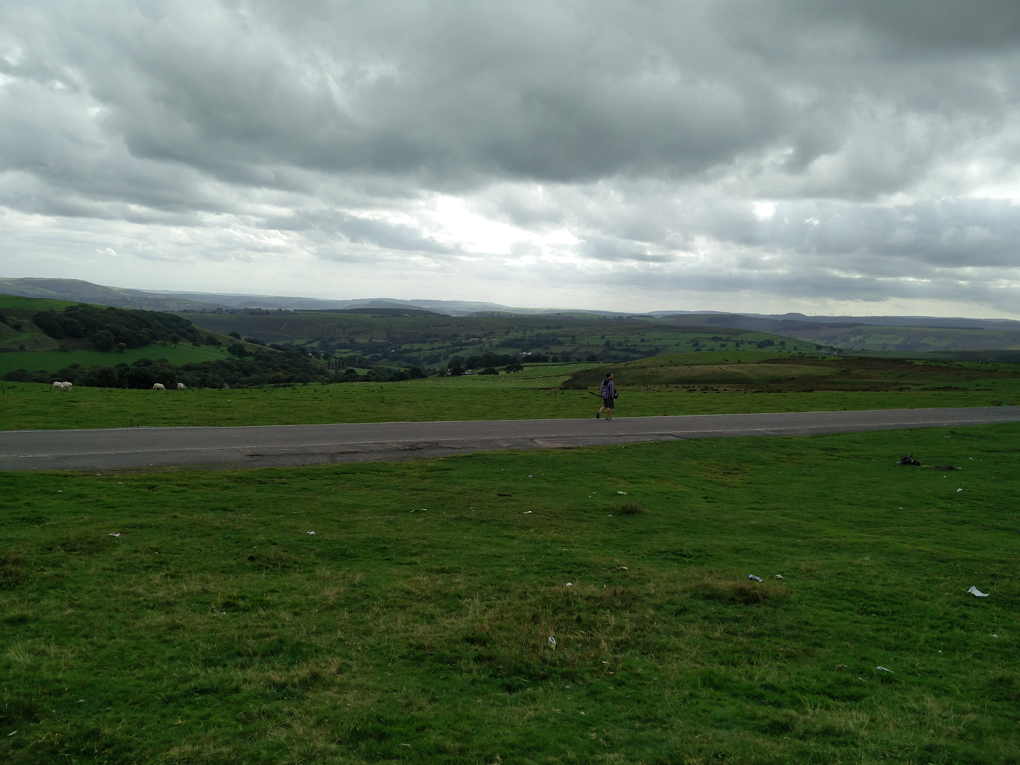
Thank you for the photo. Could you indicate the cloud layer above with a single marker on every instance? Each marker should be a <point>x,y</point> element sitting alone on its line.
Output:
<point>739,155</point>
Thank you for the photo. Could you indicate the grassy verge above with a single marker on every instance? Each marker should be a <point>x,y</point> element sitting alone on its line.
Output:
<point>414,624</point>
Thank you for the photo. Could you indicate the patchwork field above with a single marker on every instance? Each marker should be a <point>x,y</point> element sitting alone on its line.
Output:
<point>414,624</point>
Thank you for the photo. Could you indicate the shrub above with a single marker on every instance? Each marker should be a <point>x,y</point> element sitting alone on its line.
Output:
<point>103,340</point>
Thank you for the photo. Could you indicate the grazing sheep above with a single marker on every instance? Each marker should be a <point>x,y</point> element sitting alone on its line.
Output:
<point>181,386</point>
<point>67,385</point>
<point>158,386</point>
<point>57,385</point>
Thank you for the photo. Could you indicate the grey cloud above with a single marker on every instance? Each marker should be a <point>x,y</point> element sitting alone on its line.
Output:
<point>361,230</point>
<point>647,132</point>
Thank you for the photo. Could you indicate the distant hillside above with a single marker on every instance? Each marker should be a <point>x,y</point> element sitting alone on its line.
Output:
<point>77,291</point>
<point>871,334</point>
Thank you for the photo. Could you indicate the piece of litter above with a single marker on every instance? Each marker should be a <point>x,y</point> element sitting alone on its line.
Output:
<point>11,733</point>
<point>841,666</point>
<point>115,535</point>
<point>552,641</point>
<point>959,489</point>
<point>755,578</point>
<point>779,576</point>
<point>570,584</point>
<point>977,593</point>
<point>622,492</point>
<point>994,635</point>
<point>623,568</point>
<point>310,533</point>
<point>883,669</point>
<point>527,512</point>
<point>531,476</point>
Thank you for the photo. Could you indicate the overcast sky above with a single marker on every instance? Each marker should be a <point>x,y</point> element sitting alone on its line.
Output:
<point>825,157</point>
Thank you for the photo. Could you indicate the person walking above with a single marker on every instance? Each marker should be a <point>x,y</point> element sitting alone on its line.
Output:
<point>608,397</point>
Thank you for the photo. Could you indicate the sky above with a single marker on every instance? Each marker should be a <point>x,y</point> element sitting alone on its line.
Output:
<point>738,155</point>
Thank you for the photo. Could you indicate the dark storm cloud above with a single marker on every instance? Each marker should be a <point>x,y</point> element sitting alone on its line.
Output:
<point>885,133</point>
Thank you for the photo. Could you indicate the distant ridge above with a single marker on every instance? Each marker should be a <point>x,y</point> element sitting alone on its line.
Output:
<point>788,324</point>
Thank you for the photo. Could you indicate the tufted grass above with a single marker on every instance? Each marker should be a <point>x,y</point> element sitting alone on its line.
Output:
<point>414,625</point>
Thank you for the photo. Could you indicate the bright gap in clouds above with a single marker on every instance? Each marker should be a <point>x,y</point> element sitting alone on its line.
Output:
<point>764,210</point>
<point>460,227</point>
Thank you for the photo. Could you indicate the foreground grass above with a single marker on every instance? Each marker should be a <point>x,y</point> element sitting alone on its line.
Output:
<point>714,387</point>
<point>414,624</point>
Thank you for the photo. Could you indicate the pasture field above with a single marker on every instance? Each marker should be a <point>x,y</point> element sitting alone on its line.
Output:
<point>414,625</point>
<point>52,361</point>
<point>18,304</point>
<point>695,383</point>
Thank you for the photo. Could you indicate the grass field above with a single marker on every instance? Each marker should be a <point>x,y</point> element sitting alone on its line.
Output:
<point>713,385</point>
<point>415,624</point>
<point>17,303</point>
<point>51,361</point>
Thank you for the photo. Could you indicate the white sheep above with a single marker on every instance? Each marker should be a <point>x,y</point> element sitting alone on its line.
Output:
<point>67,385</point>
<point>158,386</point>
<point>57,385</point>
<point>181,386</point>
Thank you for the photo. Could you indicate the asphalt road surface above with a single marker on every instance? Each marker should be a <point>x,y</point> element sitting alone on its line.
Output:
<point>280,445</point>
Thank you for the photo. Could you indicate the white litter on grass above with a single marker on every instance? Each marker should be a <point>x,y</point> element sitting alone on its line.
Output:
<point>977,593</point>
<point>623,568</point>
<point>779,576</point>
<point>527,512</point>
<point>531,476</point>
<point>959,489</point>
<point>310,533</point>
<point>883,669</point>
<point>622,492</point>
<point>552,642</point>
<point>115,535</point>
<point>755,578</point>
<point>570,584</point>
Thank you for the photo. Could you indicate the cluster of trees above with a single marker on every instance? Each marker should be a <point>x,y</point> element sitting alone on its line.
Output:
<point>263,367</point>
<point>10,322</point>
<point>109,328</point>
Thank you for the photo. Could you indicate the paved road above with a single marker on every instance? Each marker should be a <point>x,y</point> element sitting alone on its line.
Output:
<point>307,444</point>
